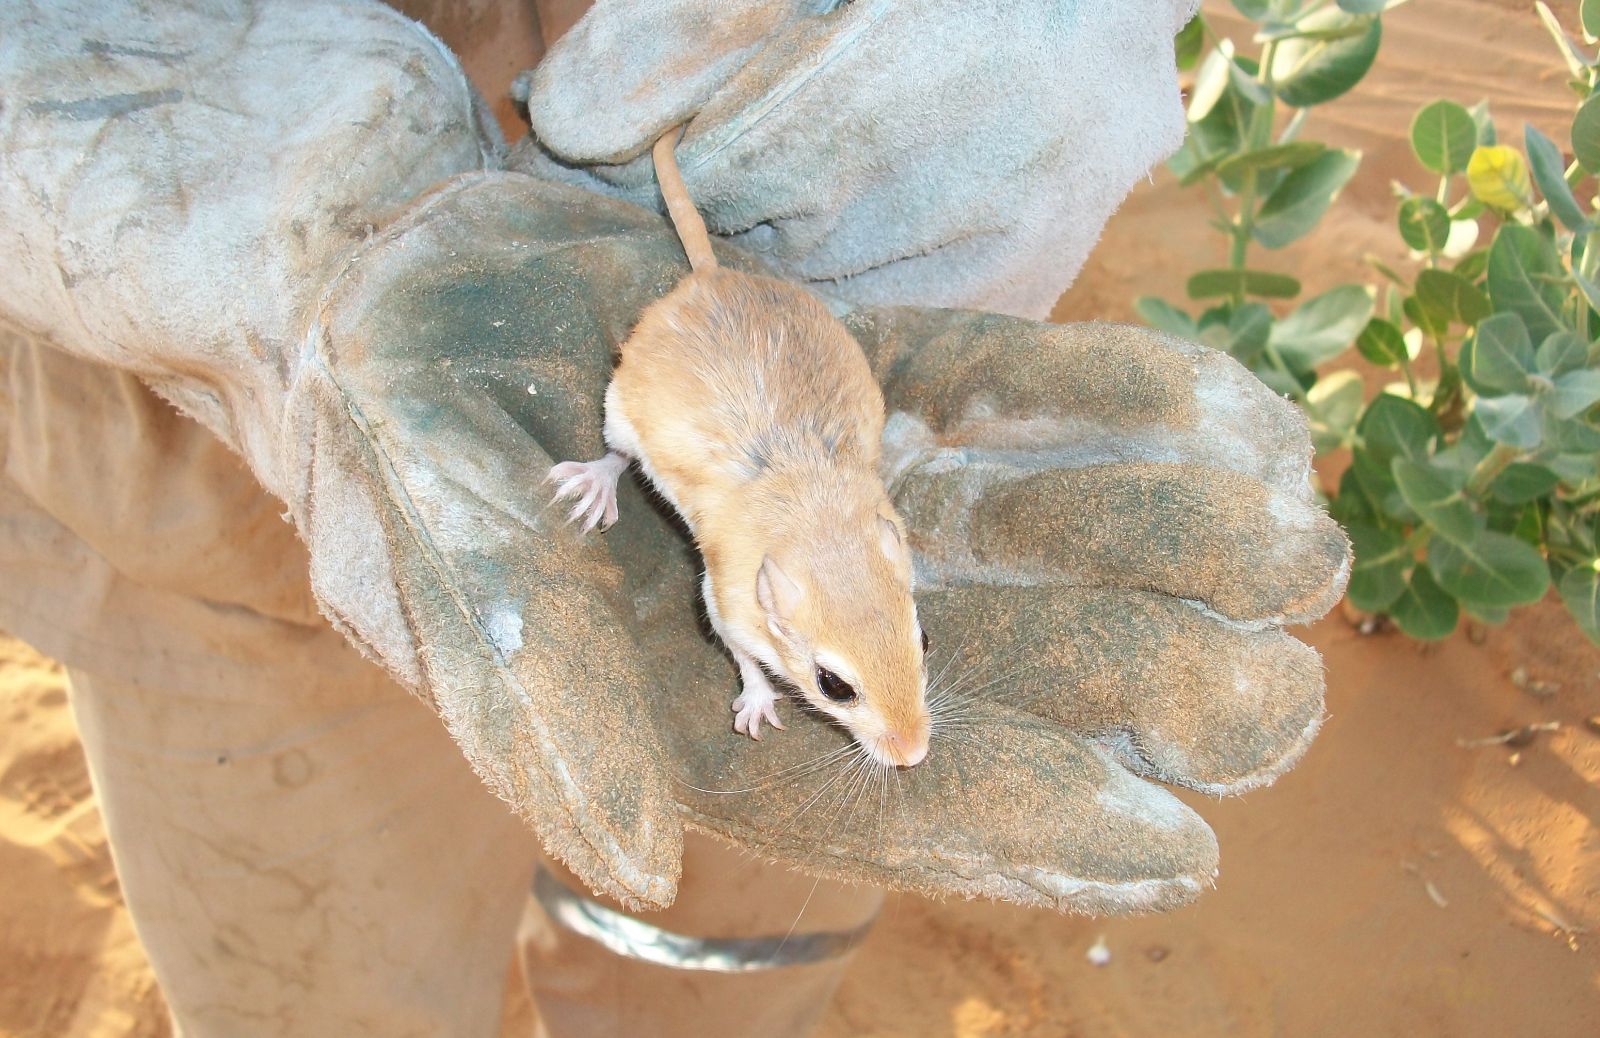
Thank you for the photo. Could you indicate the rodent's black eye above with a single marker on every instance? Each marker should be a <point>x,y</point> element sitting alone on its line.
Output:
<point>834,687</point>
<point>925,642</point>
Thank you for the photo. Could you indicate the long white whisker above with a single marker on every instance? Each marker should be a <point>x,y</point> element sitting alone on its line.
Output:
<point>795,771</point>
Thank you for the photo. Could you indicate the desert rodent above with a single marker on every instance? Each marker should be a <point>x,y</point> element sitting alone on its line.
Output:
<point>755,414</point>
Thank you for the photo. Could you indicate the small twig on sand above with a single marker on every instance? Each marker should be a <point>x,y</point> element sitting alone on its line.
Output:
<point>1564,928</point>
<point>1427,884</point>
<point>1512,736</point>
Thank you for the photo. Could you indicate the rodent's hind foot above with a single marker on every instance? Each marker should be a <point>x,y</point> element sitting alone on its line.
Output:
<point>757,703</point>
<point>594,484</point>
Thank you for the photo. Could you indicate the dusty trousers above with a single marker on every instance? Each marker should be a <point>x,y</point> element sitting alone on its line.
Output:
<point>302,847</point>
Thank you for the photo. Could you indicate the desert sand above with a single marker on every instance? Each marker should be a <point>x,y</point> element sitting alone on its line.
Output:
<point>1396,883</point>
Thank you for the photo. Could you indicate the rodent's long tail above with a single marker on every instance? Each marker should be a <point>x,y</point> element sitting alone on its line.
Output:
<point>685,217</point>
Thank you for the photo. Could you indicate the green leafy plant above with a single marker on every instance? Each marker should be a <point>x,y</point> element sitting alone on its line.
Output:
<point>1474,476</point>
<point>1267,185</point>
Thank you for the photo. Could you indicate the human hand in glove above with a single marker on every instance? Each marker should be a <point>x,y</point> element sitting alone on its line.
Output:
<point>1110,526</point>
<point>895,150</point>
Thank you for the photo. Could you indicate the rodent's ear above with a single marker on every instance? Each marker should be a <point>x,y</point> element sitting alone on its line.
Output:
<point>778,595</point>
<point>891,540</point>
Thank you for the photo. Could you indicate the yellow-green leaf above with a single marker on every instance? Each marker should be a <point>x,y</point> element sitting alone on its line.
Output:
<point>1498,176</point>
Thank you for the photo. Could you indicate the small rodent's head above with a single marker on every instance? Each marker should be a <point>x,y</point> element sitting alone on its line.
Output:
<point>845,628</point>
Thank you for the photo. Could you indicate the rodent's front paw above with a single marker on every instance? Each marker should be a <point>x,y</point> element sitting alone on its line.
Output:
<point>754,705</point>
<point>594,484</point>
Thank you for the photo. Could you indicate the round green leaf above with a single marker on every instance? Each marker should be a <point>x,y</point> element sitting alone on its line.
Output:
<point>1569,435</point>
<point>1586,135</point>
<point>1452,297</point>
<point>1322,327</point>
<point>1589,15</point>
<point>1561,353</point>
<point>1313,69</point>
<point>1208,284</point>
<point>1521,482</point>
<point>1473,265</point>
<point>1221,107</point>
<point>1575,468</point>
<point>1371,469</point>
<point>1291,383</point>
<point>1527,524</point>
<point>1575,393</point>
<point>1293,208</point>
<point>1501,355</point>
<point>1525,276</point>
<point>1162,315</point>
<point>1550,173</point>
<point>1512,420</point>
<point>1424,224</point>
<point>1394,427</point>
<point>1248,328</point>
<point>1434,498</point>
<point>1423,609</point>
<point>1378,575</point>
<point>1494,570</point>
<point>1352,504</point>
<point>1430,322</point>
<point>1580,590</point>
<point>1189,42</point>
<point>1443,135</point>
<point>1290,155</point>
<point>1381,342</point>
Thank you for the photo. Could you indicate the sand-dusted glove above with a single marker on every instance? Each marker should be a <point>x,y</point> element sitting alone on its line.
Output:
<point>899,150</point>
<point>1111,524</point>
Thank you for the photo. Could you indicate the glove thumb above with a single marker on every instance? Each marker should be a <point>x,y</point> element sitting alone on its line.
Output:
<point>632,69</point>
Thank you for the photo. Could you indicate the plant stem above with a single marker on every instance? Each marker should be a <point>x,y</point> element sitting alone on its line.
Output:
<point>1244,224</point>
<point>1587,270</point>
<point>1411,380</point>
<point>1443,362</point>
<point>1492,465</point>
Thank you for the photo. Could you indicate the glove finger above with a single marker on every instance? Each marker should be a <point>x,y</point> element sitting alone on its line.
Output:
<point>1076,394</point>
<point>631,69</point>
<point>1172,693</point>
<point>1005,806</point>
<point>1212,536</point>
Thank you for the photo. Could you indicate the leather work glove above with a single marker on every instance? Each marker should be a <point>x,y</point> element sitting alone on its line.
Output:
<point>952,154</point>
<point>1111,526</point>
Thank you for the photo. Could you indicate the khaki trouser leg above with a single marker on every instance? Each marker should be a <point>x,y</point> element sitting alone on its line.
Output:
<point>314,862</point>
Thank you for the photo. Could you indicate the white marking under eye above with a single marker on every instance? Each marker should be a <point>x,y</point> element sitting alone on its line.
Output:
<point>828,661</point>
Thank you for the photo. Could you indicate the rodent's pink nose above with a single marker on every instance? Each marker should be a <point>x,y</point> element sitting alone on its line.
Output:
<point>908,753</point>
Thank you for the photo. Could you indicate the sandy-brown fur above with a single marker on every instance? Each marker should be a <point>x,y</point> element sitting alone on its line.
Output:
<point>756,414</point>
<point>686,218</point>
